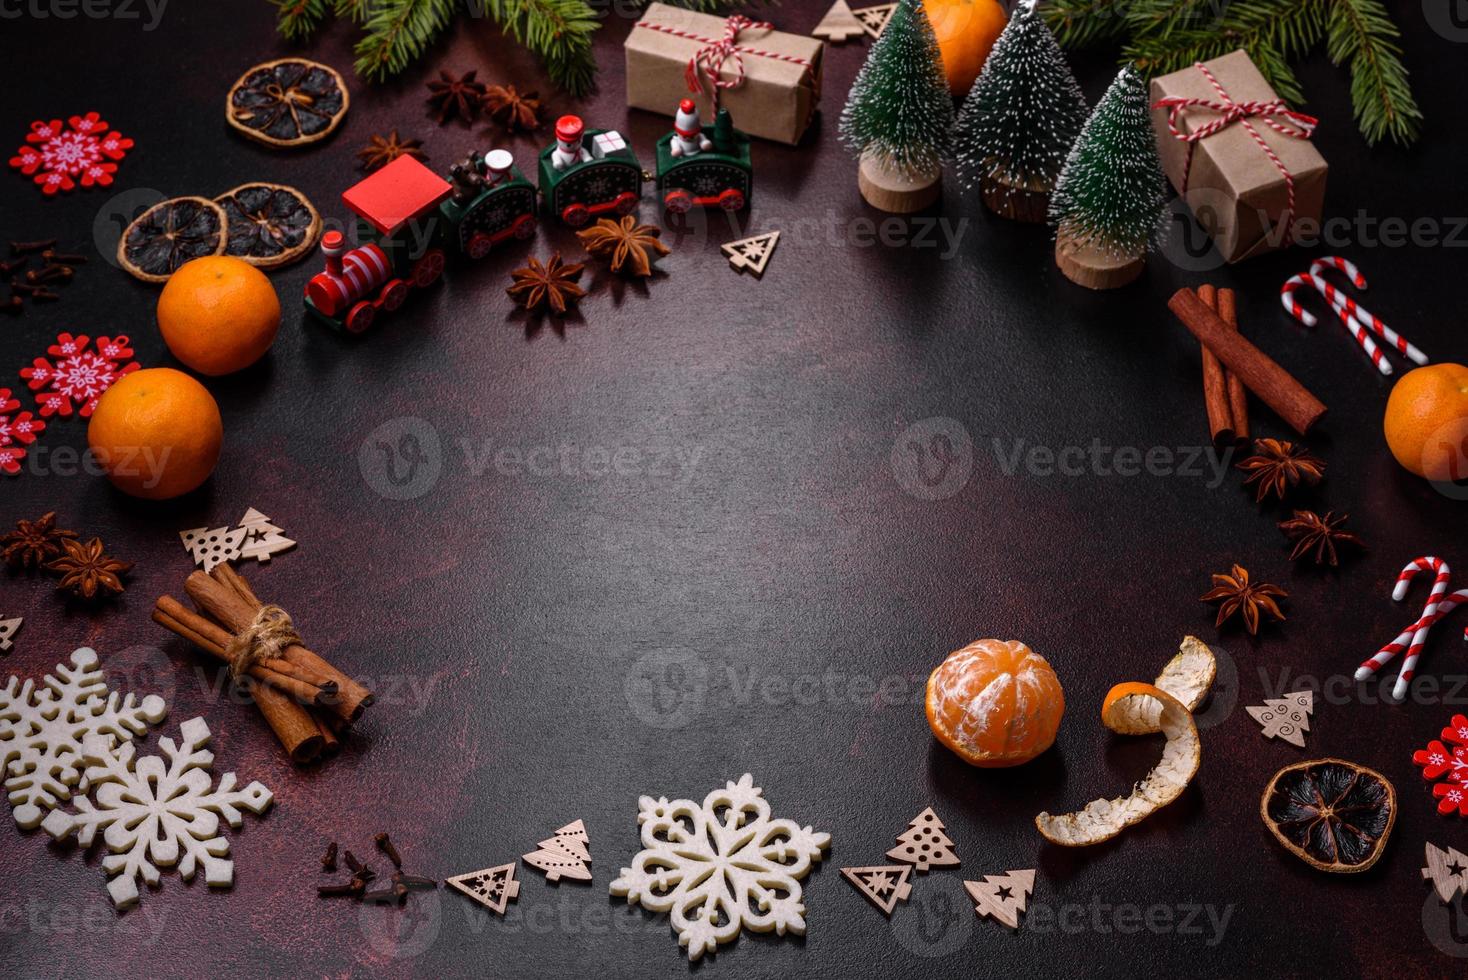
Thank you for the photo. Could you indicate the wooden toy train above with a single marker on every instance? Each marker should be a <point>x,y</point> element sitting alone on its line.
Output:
<point>410,220</point>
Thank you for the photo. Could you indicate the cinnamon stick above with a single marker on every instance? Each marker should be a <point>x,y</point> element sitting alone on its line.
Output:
<point>1215,386</point>
<point>1273,385</point>
<point>1238,396</point>
<point>213,639</point>
<point>290,722</point>
<point>330,743</point>
<point>350,693</point>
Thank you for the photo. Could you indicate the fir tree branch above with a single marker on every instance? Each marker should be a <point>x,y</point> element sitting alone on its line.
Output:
<point>297,20</point>
<point>1081,23</point>
<point>716,6</point>
<point>558,31</point>
<point>398,32</point>
<point>1362,33</point>
<point>355,11</point>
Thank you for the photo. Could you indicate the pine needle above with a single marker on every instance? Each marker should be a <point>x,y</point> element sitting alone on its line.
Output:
<point>559,31</point>
<point>297,20</point>
<point>1161,36</point>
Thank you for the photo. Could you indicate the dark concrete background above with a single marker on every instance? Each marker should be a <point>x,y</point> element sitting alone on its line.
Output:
<point>553,639</point>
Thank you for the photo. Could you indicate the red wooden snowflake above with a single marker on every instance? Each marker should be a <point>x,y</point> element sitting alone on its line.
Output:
<point>57,156</point>
<point>17,430</point>
<point>78,374</point>
<point>1449,766</point>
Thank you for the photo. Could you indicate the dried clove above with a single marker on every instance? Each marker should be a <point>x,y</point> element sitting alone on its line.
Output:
<point>414,882</point>
<point>16,286</point>
<point>385,844</point>
<point>8,266</point>
<point>328,862</point>
<point>353,887</point>
<point>24,248</point>
<point>352,862</point>
<point>52,257</point>
<point>49,273</point>
<point>45,296</point>
<point>12,305</point>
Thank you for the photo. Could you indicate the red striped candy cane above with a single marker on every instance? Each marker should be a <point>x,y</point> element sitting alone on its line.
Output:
<point>1338,301</point>
<point>1446,605</point>
<point>1362,315</point>
<point>1418,631</point>
<point>1346,266</point>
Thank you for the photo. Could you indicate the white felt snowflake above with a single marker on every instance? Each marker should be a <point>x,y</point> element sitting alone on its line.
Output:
<point>721,866</point>
<point>155,810</point>
<point>42,730</point>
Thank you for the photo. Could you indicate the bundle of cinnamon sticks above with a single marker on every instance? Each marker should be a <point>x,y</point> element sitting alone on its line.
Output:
<point>1253,369</point>
<point>307,702</point>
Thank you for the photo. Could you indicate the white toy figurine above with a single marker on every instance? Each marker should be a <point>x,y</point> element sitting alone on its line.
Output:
<point>688,138</point>
<point>497,165</point>
<point>569,151</point>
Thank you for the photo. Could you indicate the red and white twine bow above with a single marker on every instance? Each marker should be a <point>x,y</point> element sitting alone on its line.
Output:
<point>708,61</point>
<point>1274,114</point>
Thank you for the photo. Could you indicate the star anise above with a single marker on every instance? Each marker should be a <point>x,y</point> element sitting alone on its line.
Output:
<point>451,97</point>
<point>382,150</point>
<point>1318,536</point>
<point>87,572</point>
<point>33,543</point>
<point>512,109</point>
<point>1239,596</point>
<point>624,242</point>
<point>552,284</point>
<point>1278,466</point>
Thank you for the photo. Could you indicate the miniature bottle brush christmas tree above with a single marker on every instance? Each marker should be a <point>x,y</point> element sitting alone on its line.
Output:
<point>1108,204</point>
<point>899,115</point>
<point>1020,120</point>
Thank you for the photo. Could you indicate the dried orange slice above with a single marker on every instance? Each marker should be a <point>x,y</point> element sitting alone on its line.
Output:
<point>289,102</point>
<point>1332,814</point>
<point>1135,708</point>
<point>270,225</point>
<point>995,703</point>
<point>169,234</point>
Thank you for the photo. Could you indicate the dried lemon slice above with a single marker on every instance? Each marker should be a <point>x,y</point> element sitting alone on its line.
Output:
<point>1135,708</point>
<point>288,102</point>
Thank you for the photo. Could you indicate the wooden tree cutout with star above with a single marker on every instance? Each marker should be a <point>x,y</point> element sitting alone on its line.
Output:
<point>1002,897</point>
<point>883,885</point>
<point>899,115</point>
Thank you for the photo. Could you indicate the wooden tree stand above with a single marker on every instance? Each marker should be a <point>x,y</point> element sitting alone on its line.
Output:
<point>1089,266</point>
<point>1027,204</point>
<point>887,189</point>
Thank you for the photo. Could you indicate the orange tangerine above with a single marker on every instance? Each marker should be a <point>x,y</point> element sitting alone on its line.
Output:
<point>995,703</point>
<point>1426,423</point>
<point>157,432</point>
<point>218,314</point>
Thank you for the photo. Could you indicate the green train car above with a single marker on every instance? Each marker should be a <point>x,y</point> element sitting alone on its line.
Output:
<point>585,174</point>
<point>719,177</point>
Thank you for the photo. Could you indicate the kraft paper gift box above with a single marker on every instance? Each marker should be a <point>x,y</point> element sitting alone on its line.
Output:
<point>777,97</point>
<point>1238,190</point>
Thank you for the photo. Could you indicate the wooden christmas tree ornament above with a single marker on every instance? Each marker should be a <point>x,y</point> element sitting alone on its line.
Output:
<point>883,885</point>
<point>8,629</point>
<point>840,24</point>
<point>262,538</point>
<point>565,855</point>
<point>1094,267</point>
<point>1286,718</point>
<point>874,19</point>
<point>494,888</point>
<point>752,254</point>
<point>1447,870</point>
<point>1002,897</point>
<point>924,844</point>
<point>887,188</point>
<point>211,547</point>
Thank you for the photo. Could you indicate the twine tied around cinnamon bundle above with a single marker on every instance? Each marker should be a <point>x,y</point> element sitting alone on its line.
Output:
<point>266,638</point>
